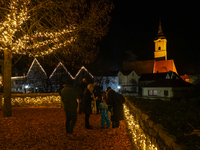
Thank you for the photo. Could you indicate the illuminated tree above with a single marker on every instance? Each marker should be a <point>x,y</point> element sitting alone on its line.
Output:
<point>66,29</point>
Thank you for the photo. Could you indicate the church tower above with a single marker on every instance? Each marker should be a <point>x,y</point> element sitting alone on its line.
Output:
<point>160,45</point>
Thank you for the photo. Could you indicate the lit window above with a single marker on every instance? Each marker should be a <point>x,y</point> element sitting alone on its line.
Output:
<point>152,92</point>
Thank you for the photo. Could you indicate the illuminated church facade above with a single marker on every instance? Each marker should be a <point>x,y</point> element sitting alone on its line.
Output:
<point>159,65</point>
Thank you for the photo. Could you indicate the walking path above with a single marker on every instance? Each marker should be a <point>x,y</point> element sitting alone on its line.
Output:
<point>44,128</point>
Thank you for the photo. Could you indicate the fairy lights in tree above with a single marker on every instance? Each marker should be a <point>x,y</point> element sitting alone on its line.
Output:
<point>13,38</point>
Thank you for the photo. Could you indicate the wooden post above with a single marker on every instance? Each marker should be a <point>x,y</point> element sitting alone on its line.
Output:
<point>7,109</point>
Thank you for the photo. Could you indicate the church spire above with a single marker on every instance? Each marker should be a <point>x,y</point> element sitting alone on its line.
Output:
<point>160,34</point>
<point>160,45</point>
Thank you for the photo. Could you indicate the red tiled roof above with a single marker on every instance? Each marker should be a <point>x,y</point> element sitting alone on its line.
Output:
<point>140,67</point>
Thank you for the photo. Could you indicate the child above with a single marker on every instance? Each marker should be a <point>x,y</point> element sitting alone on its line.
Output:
<point>104,113</point>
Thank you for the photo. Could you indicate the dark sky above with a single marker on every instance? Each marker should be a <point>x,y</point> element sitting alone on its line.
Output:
<point>134,27</point>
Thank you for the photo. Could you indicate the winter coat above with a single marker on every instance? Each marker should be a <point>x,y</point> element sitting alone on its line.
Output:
<point>104,111</point>
<point>87,99</point>
<point>97,92</point>
<point>117,108</point>
<point>81,88</point>
<point>69,96</point>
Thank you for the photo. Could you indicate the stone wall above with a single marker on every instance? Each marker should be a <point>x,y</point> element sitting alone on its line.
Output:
<point>147,135</point>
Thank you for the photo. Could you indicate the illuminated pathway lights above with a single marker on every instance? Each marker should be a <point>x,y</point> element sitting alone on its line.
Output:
<point>139,139</point>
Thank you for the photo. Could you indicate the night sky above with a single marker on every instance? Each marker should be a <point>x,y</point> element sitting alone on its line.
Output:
<point>134,27</point>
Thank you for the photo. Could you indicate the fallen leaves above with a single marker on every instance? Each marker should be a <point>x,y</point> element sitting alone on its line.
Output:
<point>44,128</point>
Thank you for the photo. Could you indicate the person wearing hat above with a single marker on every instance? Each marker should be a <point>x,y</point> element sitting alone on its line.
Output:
<point>69,96</point>
<point>88,97</point>
<point>117,109</point>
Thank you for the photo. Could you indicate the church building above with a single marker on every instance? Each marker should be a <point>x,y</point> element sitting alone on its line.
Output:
<point>159,64</point>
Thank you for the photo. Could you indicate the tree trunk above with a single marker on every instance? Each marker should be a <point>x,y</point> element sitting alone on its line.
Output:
<point>7,84</point>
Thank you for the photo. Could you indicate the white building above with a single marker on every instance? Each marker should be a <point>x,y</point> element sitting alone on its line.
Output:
<point>166,89</point>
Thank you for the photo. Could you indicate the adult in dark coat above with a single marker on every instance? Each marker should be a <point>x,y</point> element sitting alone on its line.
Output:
<point>98,94</point>
<point>81,88</point>
<point>69,96</point>
<point>88,97</point>
<point>117,113</point>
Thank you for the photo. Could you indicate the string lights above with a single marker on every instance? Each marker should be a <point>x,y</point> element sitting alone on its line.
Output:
<point>139,139</point>
<point>59,64</point>
<point>37,44</point>
<point>82,68</point>
<point>35,101</point>
<point>35,60</point>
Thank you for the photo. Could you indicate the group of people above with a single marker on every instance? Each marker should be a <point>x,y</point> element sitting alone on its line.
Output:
<point>80,100</point>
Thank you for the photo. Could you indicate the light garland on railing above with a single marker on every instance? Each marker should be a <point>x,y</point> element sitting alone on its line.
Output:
<point>35,101</point>
<point>15,19</point>
<point>139,139</point>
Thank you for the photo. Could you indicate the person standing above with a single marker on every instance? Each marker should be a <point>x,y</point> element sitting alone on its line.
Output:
<point>69,96</point>
<point>104,113</point>
<point>81,88</point>
<point>88,97</point>
<point>98,94</point>
<point>117,109</point>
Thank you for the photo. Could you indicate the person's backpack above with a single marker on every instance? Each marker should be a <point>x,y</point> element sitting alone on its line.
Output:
<point>120,98</point>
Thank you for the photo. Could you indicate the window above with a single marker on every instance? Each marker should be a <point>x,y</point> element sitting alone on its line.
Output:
<point>166,93</point>
<point>159,48</point>
<point>152,92</point>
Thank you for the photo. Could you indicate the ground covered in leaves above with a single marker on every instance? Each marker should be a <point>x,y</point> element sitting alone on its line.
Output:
<point>44,128</point>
